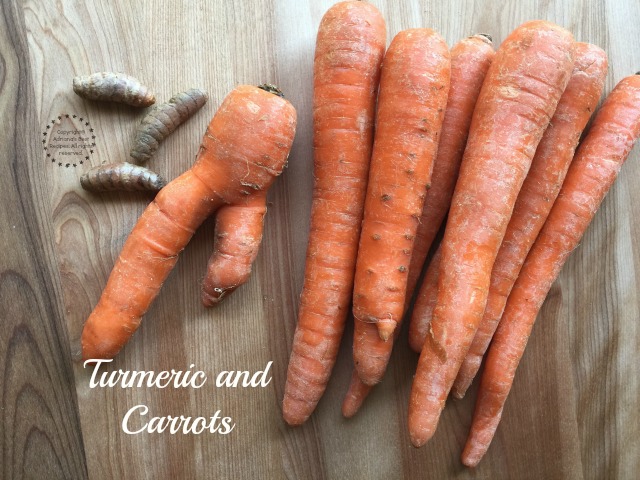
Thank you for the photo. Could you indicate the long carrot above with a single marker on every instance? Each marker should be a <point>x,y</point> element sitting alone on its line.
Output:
<point>539,191</point>
<point>247,141</point>
<point>591,174</point>
<point>349,50</point>
<point>519,95</point>
<point>237,241</point>
<point>470,60</point>
<point>425,304</point>
<point>414,85</point>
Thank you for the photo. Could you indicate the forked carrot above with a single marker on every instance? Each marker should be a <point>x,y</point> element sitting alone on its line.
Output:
<point>247,141</point>
<point>349,50</point>
<point>519,95</point>
<point>591,174</point>
<point>470,60</point>
<point>539,191</point>
<point>425,304</point>
<point>414,85</point>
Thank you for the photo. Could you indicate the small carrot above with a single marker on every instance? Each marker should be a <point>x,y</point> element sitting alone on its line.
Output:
<point>519,95</point>
<point>237,241</point>
<point>349,50</point>
<point>539,191</point>
<point>248,140</point>
<point>425,304</point>
<point>414,86</point>
<point>594,169</point>
<point>470,60</point>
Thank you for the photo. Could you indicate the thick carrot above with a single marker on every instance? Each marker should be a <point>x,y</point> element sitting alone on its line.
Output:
<point>470,60</point>
<point>414,85</point>
<point>539,191</point>
<point>591,174</point>
<point>247,141</point>
<point>237,240</point>
<point>349,50</point>
<point>519,95</point>
<point>425,304</point>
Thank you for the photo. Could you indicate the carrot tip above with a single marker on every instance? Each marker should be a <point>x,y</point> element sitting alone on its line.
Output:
<point>386,329</point>
<point>211,300</point>
<point>458,394</point>
<point>471,459</point>
<point>418,440</point>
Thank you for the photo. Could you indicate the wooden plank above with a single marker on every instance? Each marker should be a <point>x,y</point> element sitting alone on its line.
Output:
<point>39,426</point>
<point>573,409</point>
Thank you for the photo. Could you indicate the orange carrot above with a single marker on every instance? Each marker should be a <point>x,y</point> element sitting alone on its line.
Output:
<point>537,195</point>
<point>355,396</point>
<point>349,50</point>
<point>414,85</point>
<point>247,141</point>
<point>470,60</point>
<point>425,304</point>
<point>237,240</point>
<point>591,174</point>
<point>519,95</point>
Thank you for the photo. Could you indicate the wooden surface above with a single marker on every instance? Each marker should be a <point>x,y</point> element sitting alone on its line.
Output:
<point>573,412</point>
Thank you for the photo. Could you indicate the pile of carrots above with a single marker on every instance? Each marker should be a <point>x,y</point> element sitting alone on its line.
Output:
<point>488,139</point>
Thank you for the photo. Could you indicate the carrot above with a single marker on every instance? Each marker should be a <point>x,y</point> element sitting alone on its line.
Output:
<point>594,169</point>
<point>414,85</point>
<point>349,50</point>
<point>357,393</point>
<point>237,240</point>
<point>247,141</point>
<point>425,304</point>
<point>519,95</point>
<point>539,191</point>
<point>470,60</point>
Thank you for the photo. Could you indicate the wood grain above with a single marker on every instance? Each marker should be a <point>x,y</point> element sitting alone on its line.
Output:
<point>573,411</point>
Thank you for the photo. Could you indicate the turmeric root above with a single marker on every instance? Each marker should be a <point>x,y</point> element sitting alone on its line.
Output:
<point>121,176</point>
<point>163,120</point>
<point>113,87</point>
